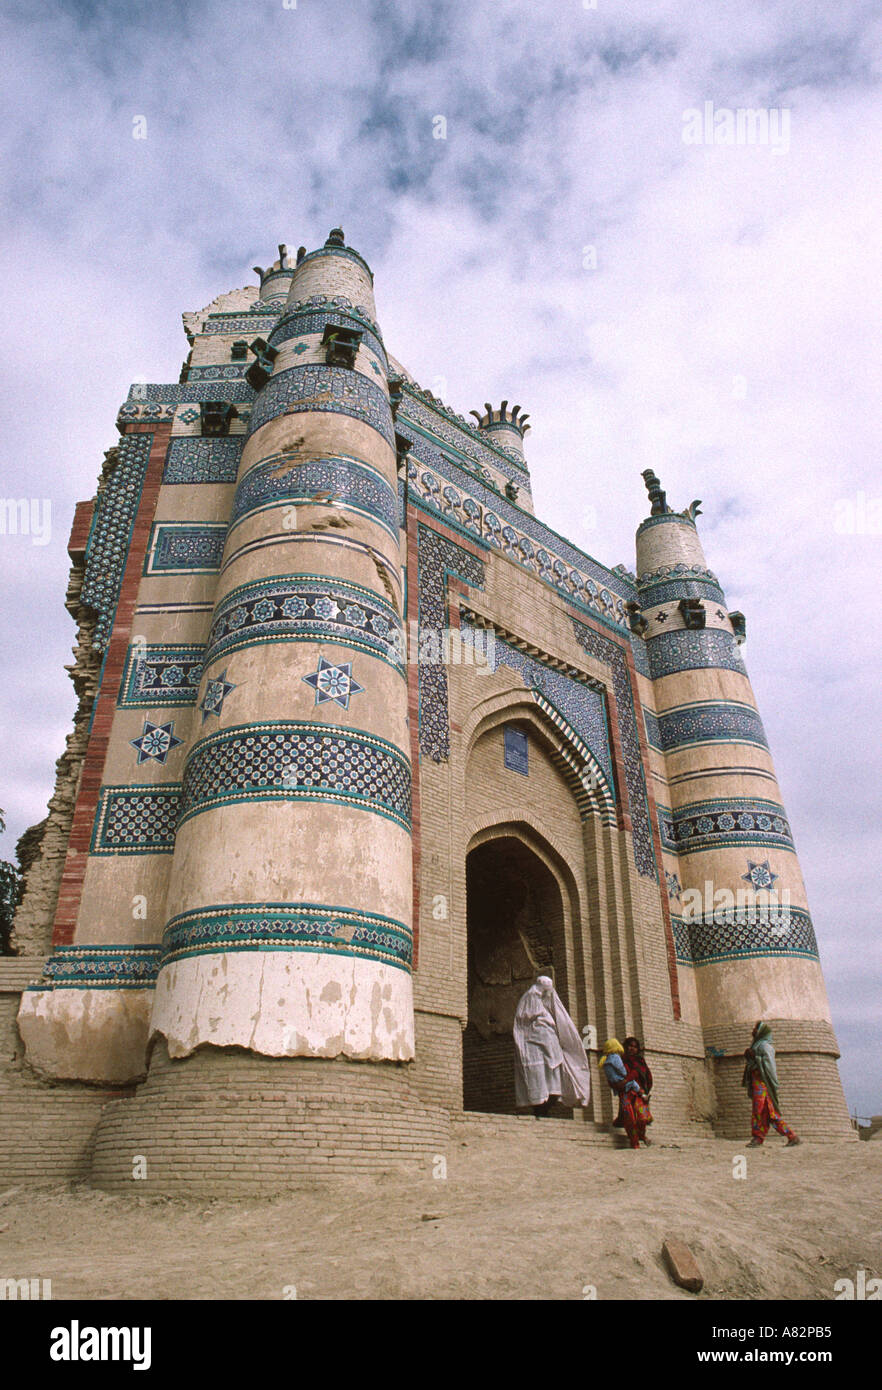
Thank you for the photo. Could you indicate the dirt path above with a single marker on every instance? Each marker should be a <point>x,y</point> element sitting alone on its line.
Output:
<point>529,1220</point>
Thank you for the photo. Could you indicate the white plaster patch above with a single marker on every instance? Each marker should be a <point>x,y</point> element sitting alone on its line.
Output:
<point>86,1034</point>
<point>287,1004</point>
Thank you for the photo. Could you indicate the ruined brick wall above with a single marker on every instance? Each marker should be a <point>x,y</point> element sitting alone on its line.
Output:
<point>45,846</point>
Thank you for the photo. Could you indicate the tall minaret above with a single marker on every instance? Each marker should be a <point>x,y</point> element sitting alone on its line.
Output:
<point>738,895</point>
<point>289,901</point>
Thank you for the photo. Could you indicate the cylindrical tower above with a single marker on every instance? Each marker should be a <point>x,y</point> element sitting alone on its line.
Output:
<point>275,281</point>
<point>738,897</point>
<point>290,896</point>
<point>290,893</point>
<point>505,427</point>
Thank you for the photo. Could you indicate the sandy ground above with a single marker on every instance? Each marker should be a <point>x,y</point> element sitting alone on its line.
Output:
<point>537,1218</point>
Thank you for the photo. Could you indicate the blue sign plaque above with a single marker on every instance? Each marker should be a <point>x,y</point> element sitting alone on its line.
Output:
<point>516,751</point>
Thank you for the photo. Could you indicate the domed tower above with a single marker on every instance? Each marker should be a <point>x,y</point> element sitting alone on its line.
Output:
<point>737,895</point>
<point>289,902</point>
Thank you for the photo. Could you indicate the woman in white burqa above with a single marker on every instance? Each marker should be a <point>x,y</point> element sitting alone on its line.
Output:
<point>550,1061</point>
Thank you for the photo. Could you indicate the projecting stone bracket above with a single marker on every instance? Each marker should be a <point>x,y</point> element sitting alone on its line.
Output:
<point>636,621</point>
<point>341,345</point>
<point>694,615</point>
<point>403,446</point>
<point>217,416</point>
<point>259,372</point>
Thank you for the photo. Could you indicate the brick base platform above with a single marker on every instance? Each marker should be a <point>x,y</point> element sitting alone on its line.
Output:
<point>225,1122</point>
<point>812,1101</point>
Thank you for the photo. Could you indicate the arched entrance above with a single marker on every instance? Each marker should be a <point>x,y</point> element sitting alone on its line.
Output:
<point>516,931</point>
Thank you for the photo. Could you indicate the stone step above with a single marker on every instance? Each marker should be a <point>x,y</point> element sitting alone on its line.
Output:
<point>474,1124</point>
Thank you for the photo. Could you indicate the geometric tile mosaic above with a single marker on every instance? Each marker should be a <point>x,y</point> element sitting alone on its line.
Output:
<point>107,548</point>
<point>136,820</point>
<point>335,389</point>
<point>735,933</point>
<point>167,394</point>
<point>437,559</point>
<point>307,608</point>
<point>298,761</point>
<point>583,708</point>
<point>337,931</point>
<point>478,511</point>
<point>179,547</point>
<point>576,561</point>
<point>344,482</point>
<point>101,967</point>
<point>671,590</point>
<point>670,652</point>
<point>709,825</point>
<point>194,460</point>
<point>653,733</point>
<point>464,438</point>
<point>713,721</point>
<point>613,656</point>
<point>160,675</point>
<point>641,660</point>
<point>238,323</point>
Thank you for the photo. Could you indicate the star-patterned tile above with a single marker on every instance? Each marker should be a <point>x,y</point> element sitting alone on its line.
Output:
<point>156,742</point>
<point>216,692</point>
<point>760,875</point>
<point>332,682</point>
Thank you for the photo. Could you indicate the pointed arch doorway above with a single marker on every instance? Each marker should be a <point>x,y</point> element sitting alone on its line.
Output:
<point>517,926</point>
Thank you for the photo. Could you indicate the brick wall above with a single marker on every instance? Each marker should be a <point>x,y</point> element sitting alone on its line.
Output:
<point>226,1122</point>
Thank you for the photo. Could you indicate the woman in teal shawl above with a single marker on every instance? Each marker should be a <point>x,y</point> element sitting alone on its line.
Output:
<point>761,1080</point>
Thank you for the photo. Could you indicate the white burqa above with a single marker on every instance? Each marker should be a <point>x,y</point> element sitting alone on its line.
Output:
<point>549,1055</point>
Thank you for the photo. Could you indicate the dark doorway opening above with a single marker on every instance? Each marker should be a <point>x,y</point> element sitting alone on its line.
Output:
<point>515,932</point>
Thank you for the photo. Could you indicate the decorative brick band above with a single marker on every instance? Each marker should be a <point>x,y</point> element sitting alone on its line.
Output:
<point>307,608</point>
<point>613,655</point>
<point>104,710</point>
<point>306,321</point>
<point>500,523</point>
<point>298,761</point>
<point>101,967</point>
<point>338,931</point>
<point>335,389</point>
<point>136,820</point>
<point>195,460</point>
<point>338,481</point>
<point>262,320</point>
<point>106,552</point>
<point>572,701</point>
<point>709,825</point>
<point>179,547</point>
<point>160,675</point>
<point>711,721</point>
<point>736,934</point>
<point>670,652</point>
<point>666,591</point>
<point>437,559</point>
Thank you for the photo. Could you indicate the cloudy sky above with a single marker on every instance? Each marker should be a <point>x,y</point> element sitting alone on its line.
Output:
<point>708,310</point>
